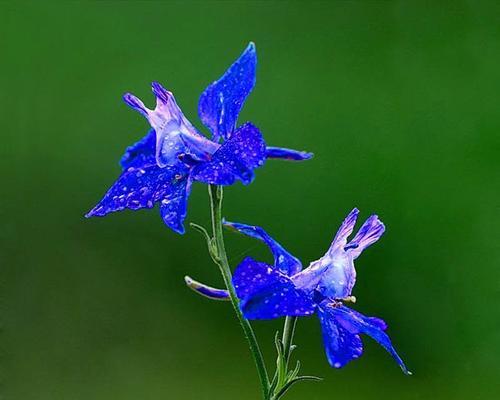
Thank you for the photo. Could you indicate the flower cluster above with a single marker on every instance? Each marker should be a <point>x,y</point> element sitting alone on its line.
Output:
<point>285,289</point>
<point>161,167</point>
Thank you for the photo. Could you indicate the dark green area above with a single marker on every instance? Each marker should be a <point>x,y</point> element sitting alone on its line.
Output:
<point>398,100</point>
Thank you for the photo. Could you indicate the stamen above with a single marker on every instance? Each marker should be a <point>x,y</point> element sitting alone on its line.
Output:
<point>350,299</point>
<point>338,302</point>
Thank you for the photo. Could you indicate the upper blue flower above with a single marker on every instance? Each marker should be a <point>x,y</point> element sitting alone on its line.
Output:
<point>161,167</point>
<point>284,289</point>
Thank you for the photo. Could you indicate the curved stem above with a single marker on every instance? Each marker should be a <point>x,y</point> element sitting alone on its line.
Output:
<point>215,193</point>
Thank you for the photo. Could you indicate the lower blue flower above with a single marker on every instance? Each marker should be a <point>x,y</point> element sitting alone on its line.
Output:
<point>272,291</point>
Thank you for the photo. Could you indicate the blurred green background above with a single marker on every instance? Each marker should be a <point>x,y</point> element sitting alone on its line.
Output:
<point>399,101</point>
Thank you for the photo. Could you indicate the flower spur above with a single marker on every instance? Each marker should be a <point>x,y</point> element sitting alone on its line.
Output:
<point>284,289</point>
<point>161,167</point>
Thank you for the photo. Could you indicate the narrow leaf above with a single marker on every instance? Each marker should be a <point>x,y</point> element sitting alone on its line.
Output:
<point>285,388</point>
<point>292,374</point>
<point>202,230</point>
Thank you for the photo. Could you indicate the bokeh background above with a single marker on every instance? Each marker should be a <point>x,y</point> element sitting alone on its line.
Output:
<point>398,100</point>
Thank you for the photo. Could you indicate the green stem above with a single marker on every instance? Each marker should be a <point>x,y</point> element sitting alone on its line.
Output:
<point>215,193</point>
<point>288,331</point>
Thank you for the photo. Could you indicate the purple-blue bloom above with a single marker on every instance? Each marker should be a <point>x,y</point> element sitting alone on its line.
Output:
<point>284,289</point>
<point>161,167</point>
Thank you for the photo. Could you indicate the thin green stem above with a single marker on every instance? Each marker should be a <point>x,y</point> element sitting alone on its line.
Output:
<point>288,331</point>
<point>215,193</point>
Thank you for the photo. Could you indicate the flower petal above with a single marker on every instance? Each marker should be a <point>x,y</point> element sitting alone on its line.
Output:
<point>174,133</point>
<point>134,189</point>
<point>141,153</point>
<point>287,154</point>
<point>308,279</point>
<point>235,159</point>
<point>205,290</point>
<point>339,279</point>
<point>173,206</point>
<point>221,102</point>
<point>356,323</point>
<point>344,231</point>
<point>333,275</point>
<point>369,233</point>
<point>341,346</point>
<point>283,260</point>
<point>265,293</point>
<point>140,188</point>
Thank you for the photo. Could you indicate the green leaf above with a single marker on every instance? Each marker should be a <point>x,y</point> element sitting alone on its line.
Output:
<point>289,384</point>
<point>279,344</point>
<point>202,230</point>
<point>292,374</point>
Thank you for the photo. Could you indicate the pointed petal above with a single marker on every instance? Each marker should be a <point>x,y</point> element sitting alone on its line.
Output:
<point>173,206</point>
<point>341,346</point>
<point>357,323</point>
<point>235,159</point>
<point>221,102</point>
<point>344,231</point>
<point>265,293</point>
<point>287,154</point>
<point>141,153</point>
<point>339,278</point>
<point>163,96</point>
<point>283,260</point>
<point>138,188</point>
<point>369,233</point>
<point>136,104</point>
<point>333,275</point>
<point>134,189</point>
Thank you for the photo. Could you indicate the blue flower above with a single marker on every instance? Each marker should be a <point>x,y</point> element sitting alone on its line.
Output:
<point>161,167</point>
<point>284,289</point>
